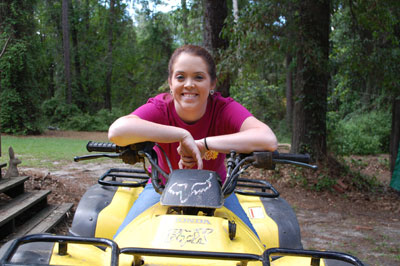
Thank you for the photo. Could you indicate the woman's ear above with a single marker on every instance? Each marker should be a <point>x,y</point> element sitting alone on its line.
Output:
<point>213,84</point>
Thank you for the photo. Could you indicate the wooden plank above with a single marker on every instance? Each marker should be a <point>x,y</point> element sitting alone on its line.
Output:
<point>8,183</point>
<point>34,221</point>
<point>53,219</point>
<point>21,203</point>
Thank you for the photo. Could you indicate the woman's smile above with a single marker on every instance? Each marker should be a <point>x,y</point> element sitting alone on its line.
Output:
<point>189,95</point>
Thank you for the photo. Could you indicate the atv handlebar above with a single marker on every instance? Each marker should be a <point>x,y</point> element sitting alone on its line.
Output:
<point>236,163</point>
<point>263,159</point>
<point>102,147</point>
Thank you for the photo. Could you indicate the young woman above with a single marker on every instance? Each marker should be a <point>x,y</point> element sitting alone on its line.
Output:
<point>194,125</point>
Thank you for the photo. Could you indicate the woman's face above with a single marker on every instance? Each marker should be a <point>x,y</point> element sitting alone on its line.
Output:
<point>190,84</point>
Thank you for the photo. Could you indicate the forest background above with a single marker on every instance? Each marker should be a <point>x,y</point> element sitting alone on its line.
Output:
<point>324,74</point>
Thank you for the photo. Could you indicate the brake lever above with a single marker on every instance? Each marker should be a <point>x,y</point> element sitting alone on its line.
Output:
<point>277,161</point>
<point>95,156</point>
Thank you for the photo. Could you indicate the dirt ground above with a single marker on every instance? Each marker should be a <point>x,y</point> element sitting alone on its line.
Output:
<point>364,224</point>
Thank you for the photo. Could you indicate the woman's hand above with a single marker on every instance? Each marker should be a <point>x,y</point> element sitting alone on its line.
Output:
<point>190,153</point>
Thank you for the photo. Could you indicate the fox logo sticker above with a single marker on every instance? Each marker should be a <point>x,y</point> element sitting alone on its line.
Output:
<point>181,189</point>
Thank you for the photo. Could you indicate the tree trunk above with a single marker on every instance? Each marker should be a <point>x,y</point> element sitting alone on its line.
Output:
<point>395,134</point>
<point>86,16</point>
<point>215,13</point>
<point>67,62</point>
<point>235,9</point>
<point>80,100</point>
<point>310,94</point>
<point>185,21</point>
<point>109,59</point>
<point>289,91</point>
<point>51,86</point>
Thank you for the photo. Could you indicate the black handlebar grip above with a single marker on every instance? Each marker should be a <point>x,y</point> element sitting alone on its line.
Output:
<point>101,147</point>
<point>303,158</point>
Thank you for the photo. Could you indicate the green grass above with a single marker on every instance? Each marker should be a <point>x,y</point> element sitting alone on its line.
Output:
<point>42,152</point>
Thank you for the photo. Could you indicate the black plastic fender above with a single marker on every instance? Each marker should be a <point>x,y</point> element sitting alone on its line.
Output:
<point>284,216</point>
<point>95,199</point>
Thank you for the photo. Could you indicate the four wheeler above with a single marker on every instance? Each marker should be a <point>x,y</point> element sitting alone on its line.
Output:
<point>189,226</point>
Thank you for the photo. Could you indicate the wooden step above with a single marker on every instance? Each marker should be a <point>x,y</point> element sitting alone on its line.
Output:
<point>45,220</point>
<point>13,186</point>
<point>18,207</point>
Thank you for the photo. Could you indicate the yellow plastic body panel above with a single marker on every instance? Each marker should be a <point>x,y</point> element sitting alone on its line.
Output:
<point>81,254</point>
<point>112,216</point>
<point>158,230</point>
<point>265,226</point>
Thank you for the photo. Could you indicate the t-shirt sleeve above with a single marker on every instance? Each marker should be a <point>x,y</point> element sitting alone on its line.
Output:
<point>154,110</point>
<point>233,116</point>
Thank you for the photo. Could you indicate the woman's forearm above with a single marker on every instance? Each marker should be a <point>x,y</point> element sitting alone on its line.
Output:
<point>242,142</point>
<point>253,136</point>
<point>131,129</point>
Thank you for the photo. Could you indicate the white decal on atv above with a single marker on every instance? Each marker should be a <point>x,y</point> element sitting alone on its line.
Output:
<point>196,236</point>
<point>197,188</point>
<point>256,213</point>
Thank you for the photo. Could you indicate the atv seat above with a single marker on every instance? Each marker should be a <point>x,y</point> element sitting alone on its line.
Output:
<point>193,188</point>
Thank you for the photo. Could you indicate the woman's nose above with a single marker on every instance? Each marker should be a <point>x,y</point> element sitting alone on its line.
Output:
<point>189,84</point>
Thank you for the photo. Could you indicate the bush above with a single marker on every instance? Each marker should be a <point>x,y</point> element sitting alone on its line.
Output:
<point>18,114</point>
<point>105,118</point>
<point>98,122</point>
<point>360,133</point>
<point>263,100</point>
<point>59,113</point>
<point>70,117</point>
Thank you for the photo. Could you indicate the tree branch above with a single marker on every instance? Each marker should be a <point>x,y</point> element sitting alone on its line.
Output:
<point>5,46</point>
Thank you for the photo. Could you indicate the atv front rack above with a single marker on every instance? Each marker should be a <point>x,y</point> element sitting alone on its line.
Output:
<point>315,255</point>
<point>262,185</point>
<point>63,242</point>
<point>139,177</point>
<point>137,253</point>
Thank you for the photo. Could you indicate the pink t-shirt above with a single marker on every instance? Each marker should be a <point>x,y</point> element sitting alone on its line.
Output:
<point>223,116</point>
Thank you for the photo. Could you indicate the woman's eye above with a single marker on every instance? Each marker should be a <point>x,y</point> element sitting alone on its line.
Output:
<point>199,77</point>
<point>180,77</point>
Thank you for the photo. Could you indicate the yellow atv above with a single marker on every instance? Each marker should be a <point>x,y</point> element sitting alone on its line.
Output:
<point>189,226</point>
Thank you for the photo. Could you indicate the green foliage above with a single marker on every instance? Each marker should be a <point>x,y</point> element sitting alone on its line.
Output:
<point>189,31</point>
<point>324,183</point>
<point>365,183</point>
<point>264,101</point>
<point>365,55</point>
<point>13,116</point>
<point>101,121</point>
<point>59,113</point>
<point>70,117</point>
<point>298,178</point>
<point>19,109</point>
<point>359,133</point>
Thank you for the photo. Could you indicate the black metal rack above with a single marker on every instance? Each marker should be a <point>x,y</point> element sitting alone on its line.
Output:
<point>138,177</point>
<point>243,258</point>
